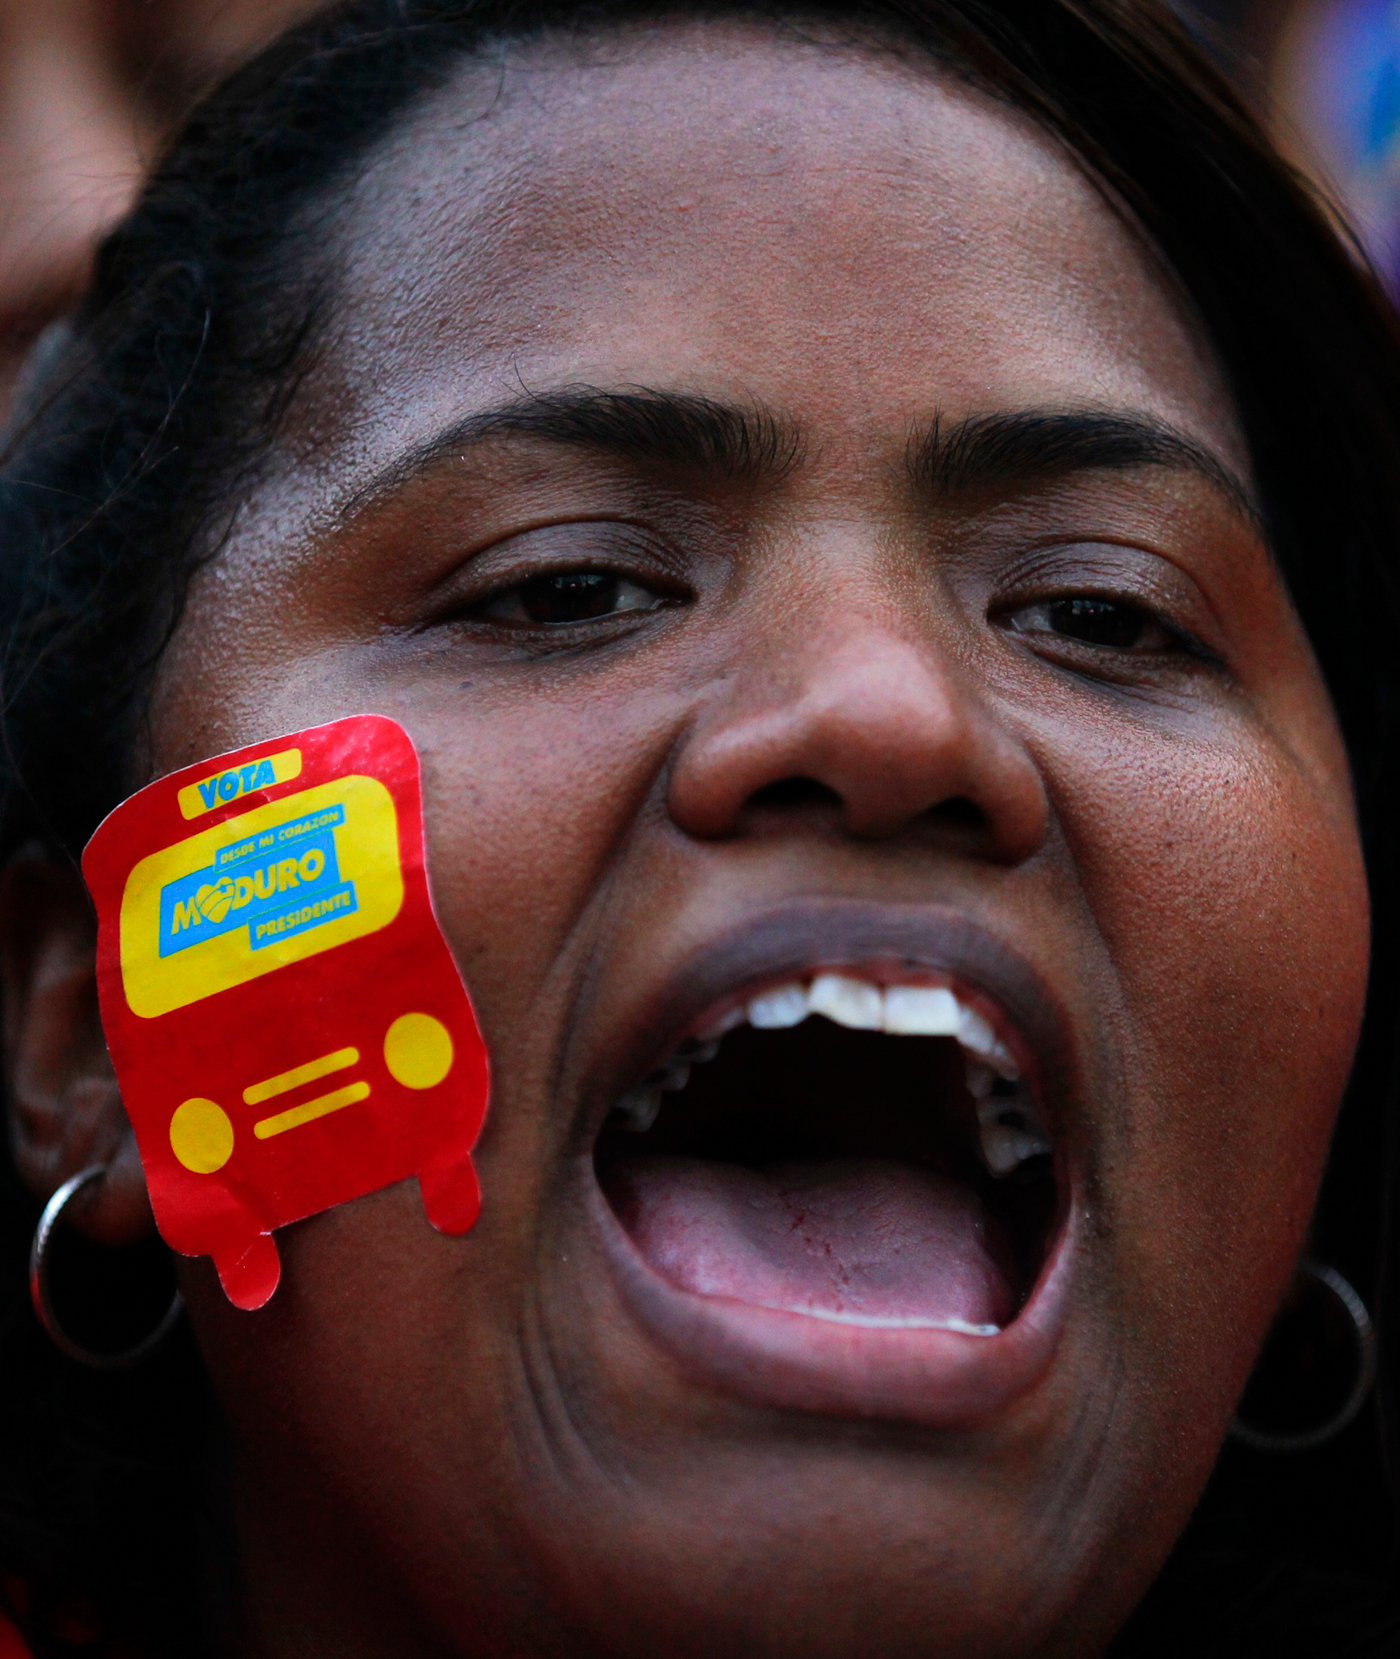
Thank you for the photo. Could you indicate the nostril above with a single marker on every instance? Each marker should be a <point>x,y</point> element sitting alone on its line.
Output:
<point>958,812</point>
<point>793,792</point>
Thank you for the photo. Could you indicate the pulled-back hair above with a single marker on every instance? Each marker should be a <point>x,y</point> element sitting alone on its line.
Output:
<point>145,425</point>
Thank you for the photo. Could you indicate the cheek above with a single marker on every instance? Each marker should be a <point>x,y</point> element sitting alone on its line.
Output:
<point>530,804</point>
<point>1230,903</point>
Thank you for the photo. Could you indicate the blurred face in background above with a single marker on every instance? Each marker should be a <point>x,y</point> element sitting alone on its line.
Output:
<point>87,90</point>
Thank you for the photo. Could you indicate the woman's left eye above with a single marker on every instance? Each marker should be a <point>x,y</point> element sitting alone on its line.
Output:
<point>568,596</point>
<point>1110,624</point>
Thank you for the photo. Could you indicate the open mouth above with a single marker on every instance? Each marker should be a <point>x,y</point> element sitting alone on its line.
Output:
<point>867,1154</point>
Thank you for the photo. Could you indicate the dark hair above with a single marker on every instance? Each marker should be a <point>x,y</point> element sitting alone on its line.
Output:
<point>149,421</point>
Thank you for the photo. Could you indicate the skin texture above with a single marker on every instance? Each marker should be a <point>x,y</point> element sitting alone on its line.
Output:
<point>478,1445</point>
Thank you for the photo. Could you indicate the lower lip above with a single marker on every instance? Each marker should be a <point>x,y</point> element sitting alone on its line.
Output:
<point>936,1378</point>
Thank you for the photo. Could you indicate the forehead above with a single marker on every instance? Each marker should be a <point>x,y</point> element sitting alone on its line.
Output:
<point>858,240</point>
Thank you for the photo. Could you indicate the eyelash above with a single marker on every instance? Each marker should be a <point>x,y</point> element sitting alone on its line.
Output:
<point>1090,619</point>
<point>594,595</point>
<point>589,595</point>
<point>1105,613</point>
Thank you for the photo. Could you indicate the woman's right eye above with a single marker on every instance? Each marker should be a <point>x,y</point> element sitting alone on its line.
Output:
<point>568,597</point>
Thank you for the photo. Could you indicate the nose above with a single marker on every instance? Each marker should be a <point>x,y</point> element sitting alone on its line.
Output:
<point>880,732</point>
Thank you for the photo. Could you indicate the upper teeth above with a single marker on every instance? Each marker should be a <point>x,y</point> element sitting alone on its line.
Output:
<point>902,1010</point>
<point>1009,1128</point>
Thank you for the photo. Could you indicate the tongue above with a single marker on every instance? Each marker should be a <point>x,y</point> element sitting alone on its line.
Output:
<point>859,1240</point>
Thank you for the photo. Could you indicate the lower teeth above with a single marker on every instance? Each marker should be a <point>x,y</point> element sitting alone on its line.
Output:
<point>638,1109</point>
<point>1008,1129</point>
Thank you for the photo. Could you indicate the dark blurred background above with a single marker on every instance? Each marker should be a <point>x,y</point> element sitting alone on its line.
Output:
<point>87,88</point>
<point>1325,75</point>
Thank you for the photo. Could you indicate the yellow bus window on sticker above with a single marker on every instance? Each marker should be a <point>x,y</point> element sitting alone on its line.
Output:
<point>259,892</point>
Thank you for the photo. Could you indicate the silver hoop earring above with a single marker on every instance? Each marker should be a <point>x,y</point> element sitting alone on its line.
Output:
<point>39,1285</point>
<point>1363,1334</point>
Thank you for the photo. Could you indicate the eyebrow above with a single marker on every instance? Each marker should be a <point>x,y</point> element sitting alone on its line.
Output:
<point>753,444</point>
<point>987,452</point>
<point>664,429</point>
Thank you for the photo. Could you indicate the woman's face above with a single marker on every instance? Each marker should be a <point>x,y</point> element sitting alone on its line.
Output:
<point>809,542</point>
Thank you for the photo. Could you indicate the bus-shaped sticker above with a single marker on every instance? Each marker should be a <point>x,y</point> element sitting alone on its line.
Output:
<point>288,1025</point>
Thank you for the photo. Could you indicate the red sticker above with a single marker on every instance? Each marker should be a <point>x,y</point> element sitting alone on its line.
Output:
<point>288,1025</point>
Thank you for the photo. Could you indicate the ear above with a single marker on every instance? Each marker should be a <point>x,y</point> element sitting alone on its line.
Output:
<point>66,1110</point>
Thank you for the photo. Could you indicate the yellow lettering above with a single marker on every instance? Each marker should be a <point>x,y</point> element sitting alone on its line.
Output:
<point>186,915</point>
<point>312,863</point>
<point>287,874</point>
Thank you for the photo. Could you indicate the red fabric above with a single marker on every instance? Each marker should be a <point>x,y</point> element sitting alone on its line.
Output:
<point>11,1642</point>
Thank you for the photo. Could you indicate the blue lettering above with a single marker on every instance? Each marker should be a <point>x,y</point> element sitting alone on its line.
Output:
<point>247,886</point>
<point>234,854</point>
<point>209,791</point>
<point>342,902</point>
